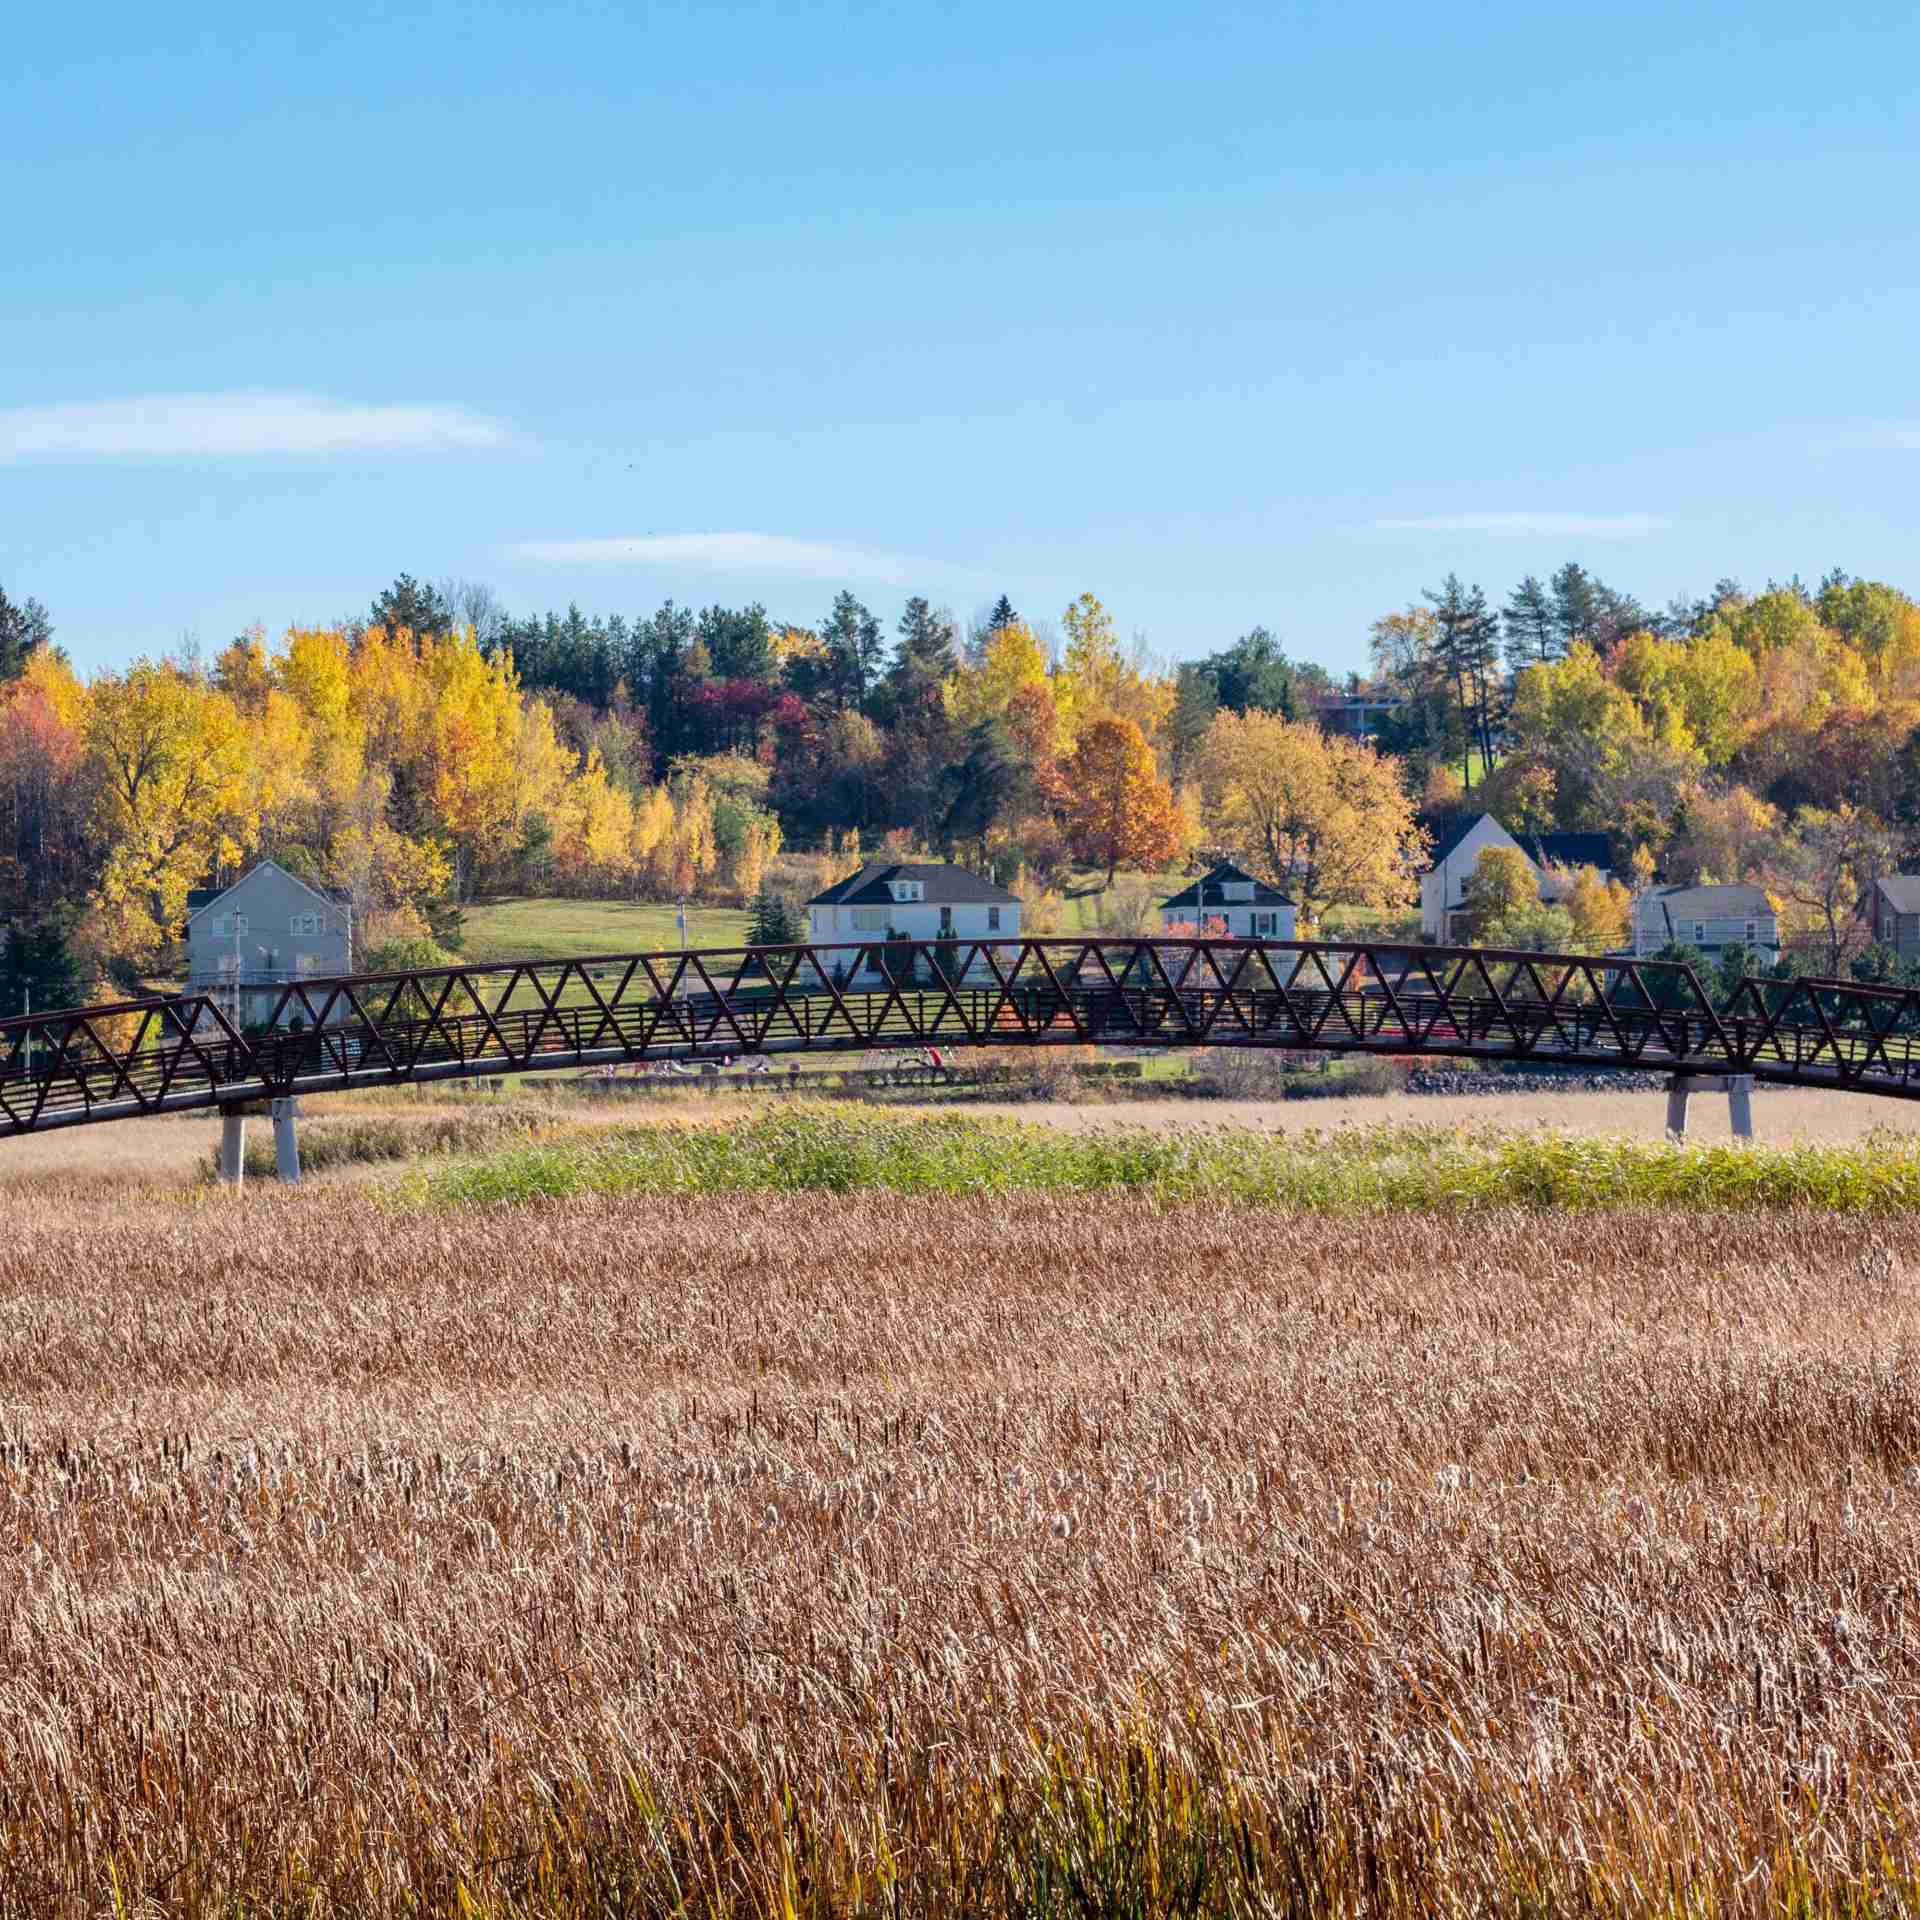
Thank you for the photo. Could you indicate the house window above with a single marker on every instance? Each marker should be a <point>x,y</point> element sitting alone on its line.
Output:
<point>1699,932</point>
<point>909,890</point>
<point>946,920</point>
<point>1753,933</point>
<point>304,923</point>
<point>993,919</point>
<point>1263,928</point>
<point>869,919</point>
<point>229,962</point>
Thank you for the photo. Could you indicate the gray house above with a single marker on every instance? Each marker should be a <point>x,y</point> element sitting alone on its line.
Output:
<point>269,927</point>
<point>1893,913</point>
<point>1710,918</point>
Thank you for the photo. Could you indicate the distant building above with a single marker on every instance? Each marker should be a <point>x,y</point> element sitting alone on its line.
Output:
<point>1710,918</point>
<point>1231,899</point>
<point>1893,913</point>
<point>907,901</point>
<point>1554,858</point>
<point>1357,715</point>
<point>266,929</point>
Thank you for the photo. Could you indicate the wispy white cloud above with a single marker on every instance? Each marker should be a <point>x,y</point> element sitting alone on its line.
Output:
<point>772,556</point>
<point>1600,526</point>
<point>1876,436</point>
<point>237,425</point>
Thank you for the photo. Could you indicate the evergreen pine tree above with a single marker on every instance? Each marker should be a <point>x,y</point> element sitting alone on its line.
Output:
<point>411,604</point>
<point>853,643</point>
<point>773,922</point>
<point>22,629</point>
<point>36,964</point>
<point>928,643</point>
<point>1576,604</point>
<point>1002,615</point>
<point>1533,629</point>
<point>1467,651</point>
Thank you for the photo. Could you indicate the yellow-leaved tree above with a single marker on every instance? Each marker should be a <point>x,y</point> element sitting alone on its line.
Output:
<point>389,879</point>
<point>1325,818</point>
<point>1097,680</point>
<point>1601,911</point>
<point>1500,889</point>
<point>594,846</point>
<point>1012,659</point>
<point>174,799</point>
<point>476,782</point>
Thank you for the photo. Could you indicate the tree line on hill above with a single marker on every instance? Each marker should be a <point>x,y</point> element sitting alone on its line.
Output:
<point>437,749</point>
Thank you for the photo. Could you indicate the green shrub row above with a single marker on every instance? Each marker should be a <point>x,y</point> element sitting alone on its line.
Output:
<point>814,1149</point>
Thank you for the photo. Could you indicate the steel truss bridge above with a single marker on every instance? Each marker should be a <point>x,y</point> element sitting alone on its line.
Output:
<point>86,1065</point>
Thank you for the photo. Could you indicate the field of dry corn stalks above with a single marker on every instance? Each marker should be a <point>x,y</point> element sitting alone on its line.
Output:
<point>819,1554</point>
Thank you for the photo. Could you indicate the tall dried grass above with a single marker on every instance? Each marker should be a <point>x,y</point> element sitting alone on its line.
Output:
<point>1016,1555</point>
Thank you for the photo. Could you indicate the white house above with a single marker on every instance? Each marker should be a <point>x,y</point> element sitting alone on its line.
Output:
<point>266,929</point>
<point>1231,900</point>
<point>907,901</point>
<point>1711,918</point>
<point>1443,887</point>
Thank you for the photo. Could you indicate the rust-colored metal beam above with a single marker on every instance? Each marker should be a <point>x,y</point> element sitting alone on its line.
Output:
<point>84,1066</point>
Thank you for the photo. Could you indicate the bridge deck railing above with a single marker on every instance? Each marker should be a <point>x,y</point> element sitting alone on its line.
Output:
<point>72,1065</point>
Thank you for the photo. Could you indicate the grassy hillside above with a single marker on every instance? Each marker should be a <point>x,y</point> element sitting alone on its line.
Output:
<point>530,929</point>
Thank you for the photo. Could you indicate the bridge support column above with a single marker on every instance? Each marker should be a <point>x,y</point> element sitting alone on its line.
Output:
<point>233,1146</point>
<point>286,1143</point>
<point>1738,1087</point>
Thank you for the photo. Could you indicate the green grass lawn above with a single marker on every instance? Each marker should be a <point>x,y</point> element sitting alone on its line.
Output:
<point>529,929</point>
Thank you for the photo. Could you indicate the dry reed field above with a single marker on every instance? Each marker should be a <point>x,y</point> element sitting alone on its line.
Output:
<point>869,1554</point>
<point>1781,1115</point>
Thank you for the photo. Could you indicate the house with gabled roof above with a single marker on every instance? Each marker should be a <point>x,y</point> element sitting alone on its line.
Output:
<point>1554,858</point>
<point>1710,918</point>
<point>268,928</point>
<point>1892,913</point>
<point>917,901</point>
<point>1228,899</point>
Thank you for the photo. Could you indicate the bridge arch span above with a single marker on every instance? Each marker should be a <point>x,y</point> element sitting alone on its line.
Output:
<point>91,1065</point>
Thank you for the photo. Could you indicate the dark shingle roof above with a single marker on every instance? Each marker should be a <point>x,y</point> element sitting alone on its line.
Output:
<point>941,886</point>
<point>1901,892</point>
<point>1263,895</point>
<point>1543,849</point>
<point>1567,849</point>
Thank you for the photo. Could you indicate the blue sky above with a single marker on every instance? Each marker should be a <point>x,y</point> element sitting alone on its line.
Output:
<point>1230,315</point>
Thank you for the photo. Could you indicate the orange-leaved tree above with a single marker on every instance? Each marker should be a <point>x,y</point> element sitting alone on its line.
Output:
<point>1119,810</point>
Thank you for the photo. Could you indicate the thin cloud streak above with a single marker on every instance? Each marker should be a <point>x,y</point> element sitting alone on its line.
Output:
<point>244,424</point>
<point>773,556</point>
<point>1881,436</point>
<point>1601,526</point>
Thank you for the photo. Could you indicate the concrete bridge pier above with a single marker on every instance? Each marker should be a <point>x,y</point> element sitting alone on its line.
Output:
<point>1738,1087</point>
<point>233,1146</point>
<point>286,1141</point>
